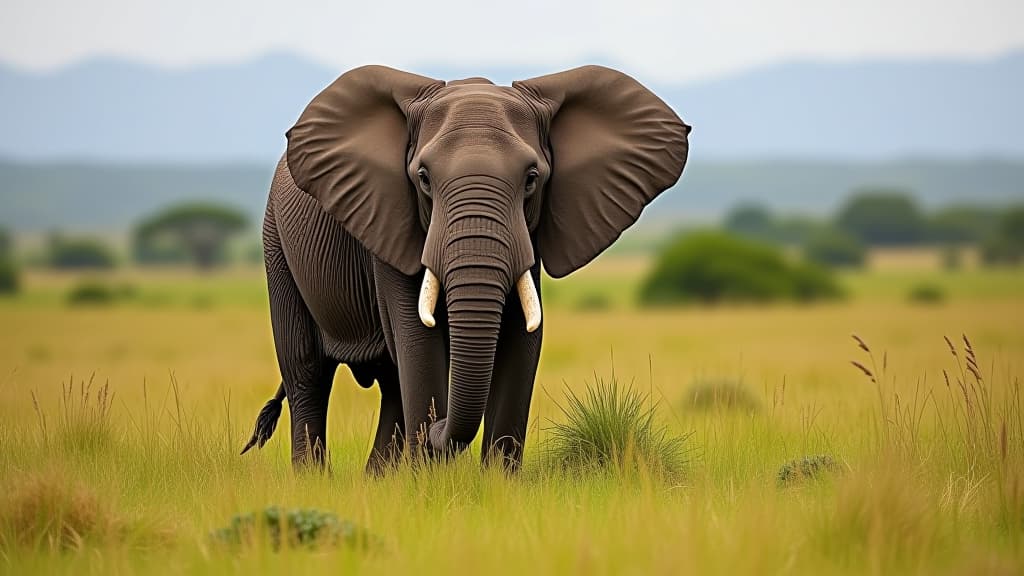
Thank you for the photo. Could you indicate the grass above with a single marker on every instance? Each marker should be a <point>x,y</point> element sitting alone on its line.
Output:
<point>610,427</point>
<point>140,475</point>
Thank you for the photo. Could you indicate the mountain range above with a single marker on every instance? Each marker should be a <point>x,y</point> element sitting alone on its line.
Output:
<point>115,111</point>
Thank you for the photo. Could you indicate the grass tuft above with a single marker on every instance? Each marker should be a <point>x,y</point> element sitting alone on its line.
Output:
<point>613,428</point>
<point>48,510</point>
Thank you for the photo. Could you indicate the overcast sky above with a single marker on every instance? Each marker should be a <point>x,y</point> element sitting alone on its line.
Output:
<point>658,39</point>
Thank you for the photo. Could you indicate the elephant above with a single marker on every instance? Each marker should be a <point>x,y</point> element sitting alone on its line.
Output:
<point>396,188</point>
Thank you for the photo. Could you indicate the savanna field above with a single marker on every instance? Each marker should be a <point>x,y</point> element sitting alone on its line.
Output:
<point>122,423</point>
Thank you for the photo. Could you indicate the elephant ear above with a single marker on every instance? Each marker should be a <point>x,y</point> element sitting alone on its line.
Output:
<point>614,147</point>
<point>348,150</point>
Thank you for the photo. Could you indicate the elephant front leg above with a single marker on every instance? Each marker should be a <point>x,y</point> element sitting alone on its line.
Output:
<point>420,353</point>
<point>389,441</point>
<point>515,369</point>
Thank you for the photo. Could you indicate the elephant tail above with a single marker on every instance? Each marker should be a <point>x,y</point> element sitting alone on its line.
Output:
<point>266,422</point>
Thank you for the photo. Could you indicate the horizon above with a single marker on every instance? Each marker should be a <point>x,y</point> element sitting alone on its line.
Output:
<point>649,37</point>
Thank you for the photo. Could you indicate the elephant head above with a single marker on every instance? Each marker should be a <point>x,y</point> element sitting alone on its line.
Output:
<point>472,184</point>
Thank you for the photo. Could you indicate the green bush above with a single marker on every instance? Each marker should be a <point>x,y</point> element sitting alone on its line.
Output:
<point>10,281</point>
<point>711,267</point>
<point>92,292</point>
<point>833,247</point>
<point>613,429</point>
<point>79,253</point>
<point>926,293</point>
<point>593,301</point>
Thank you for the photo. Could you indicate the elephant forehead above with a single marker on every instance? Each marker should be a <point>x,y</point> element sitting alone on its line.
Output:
<point>477,105</point>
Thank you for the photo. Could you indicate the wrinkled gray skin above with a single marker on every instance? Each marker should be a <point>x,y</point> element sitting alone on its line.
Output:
<point>478,202</point>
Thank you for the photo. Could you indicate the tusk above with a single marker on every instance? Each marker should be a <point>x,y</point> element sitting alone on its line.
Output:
<point>428,298</point>
<point>530,301</point>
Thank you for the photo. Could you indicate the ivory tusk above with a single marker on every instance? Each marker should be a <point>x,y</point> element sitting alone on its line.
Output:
<point>428,298</point>
<point>530,300</point>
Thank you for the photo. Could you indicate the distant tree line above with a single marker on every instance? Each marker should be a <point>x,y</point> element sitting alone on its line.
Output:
<point>9,278</point>
<point>886,218</point>
<point>195,233</point>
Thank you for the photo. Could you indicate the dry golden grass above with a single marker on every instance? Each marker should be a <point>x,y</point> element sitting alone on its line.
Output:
<point>925,488</point>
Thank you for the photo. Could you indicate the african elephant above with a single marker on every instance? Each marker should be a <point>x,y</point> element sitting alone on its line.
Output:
<point>395,188</point>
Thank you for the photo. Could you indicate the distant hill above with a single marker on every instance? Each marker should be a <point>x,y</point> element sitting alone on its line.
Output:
<point>114,111</point>
<point>110,198</point>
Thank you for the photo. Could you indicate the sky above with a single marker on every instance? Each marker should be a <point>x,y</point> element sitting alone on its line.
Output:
<point>658,39</point>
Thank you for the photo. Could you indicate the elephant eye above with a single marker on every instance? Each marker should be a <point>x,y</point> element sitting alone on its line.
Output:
<point>531,181</point>
<point>424,180</point>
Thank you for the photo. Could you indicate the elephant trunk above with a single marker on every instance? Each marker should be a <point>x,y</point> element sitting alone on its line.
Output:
<point>477,279</point>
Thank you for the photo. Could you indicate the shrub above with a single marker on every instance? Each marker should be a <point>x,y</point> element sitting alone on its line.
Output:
<point>593,301</point>
<point>806,468</point>
<point>294,528</point>
<point>79,253</point>
<point>926,293</point>
<point>712,267</point>
<point>10,281</point>
<point>721,394</point>
<point>833,247</point>
<point>92,292</point>
<point>613,428</point>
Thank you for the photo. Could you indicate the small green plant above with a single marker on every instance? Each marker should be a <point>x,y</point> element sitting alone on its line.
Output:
<point>806,468</point>
<point>293,528</point>
<point>609,427</point>
<point>721,394</point>
<point>926,293</point>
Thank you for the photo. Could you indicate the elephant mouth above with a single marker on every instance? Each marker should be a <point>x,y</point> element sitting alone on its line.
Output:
<point>524,287</point>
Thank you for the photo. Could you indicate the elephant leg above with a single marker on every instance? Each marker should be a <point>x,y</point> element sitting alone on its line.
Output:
<point>420,353</point>
<point>306,371</point>
<point>390,438</point>
<point>508,405</point>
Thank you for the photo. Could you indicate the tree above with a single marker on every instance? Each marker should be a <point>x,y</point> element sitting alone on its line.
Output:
<point>201,230</point>
<point>6,244</point>
<point>79,253</point>
<point>750,220</point>
<point>883,217</point>
<point>1006,244</point>
<point>962,224</point>
<point>833,247</point>
<point>712,267</point>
